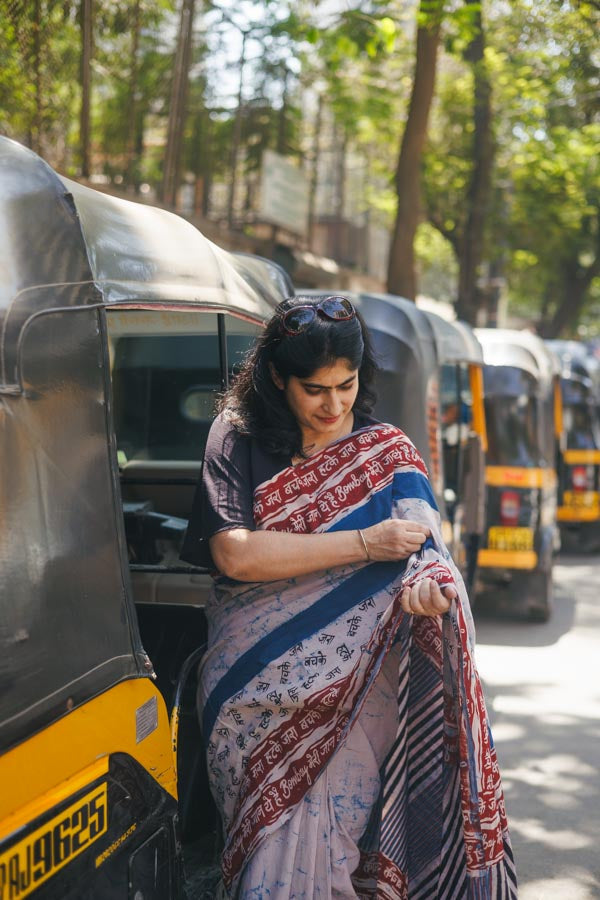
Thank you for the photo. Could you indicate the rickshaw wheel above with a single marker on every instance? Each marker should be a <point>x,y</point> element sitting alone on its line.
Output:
<point>541,591</point>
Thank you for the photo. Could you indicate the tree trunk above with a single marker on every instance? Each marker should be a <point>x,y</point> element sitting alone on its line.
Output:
<point>472,243</point>
<point>133,122</point>
<point>339,201</point>
<point>568,311</point>
<point>577,280</point>
<point>401,267</point>
<point>314,173</point>
<point>171,174</point>
<point>236,138</point>
<point>576,286</point>
<point>282,117</point>
<point>86,72</point>
<point>36,131</point>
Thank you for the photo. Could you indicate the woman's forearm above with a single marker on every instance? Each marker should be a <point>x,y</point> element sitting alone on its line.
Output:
<point>271,555</point>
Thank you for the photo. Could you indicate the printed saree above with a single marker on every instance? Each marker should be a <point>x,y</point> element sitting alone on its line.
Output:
<point>348,744</point>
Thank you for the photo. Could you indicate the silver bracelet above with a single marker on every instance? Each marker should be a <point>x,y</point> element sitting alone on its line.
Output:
<point>364,543</point>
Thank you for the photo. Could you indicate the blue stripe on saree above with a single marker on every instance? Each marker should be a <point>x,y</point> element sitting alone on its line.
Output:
<point>405,484</point>
<point>361,584</point>
<point>413,485</point>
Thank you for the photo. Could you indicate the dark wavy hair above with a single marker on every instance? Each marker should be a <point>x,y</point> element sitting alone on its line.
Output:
<point>257,408</point>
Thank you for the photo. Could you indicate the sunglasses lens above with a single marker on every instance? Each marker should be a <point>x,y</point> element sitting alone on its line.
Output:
<point>296,320</point>
<point>337,308</point>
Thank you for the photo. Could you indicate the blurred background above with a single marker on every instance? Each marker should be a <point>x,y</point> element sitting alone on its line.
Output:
<point>437,149</point>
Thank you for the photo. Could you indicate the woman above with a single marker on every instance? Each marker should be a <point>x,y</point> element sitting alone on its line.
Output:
<point>348,746</point>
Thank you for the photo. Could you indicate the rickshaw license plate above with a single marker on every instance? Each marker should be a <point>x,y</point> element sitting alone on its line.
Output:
<point>502,538</point>
<point>34,859</point>
<point>581,499</point>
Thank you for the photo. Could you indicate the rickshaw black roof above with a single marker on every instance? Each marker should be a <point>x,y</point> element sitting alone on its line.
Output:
<point>403,320</point>
<point>256,270</point>
<point>60,234</point>
<point>576,360</point>
<point>391,315</point>
<point>455,341</point>
<point>521,349</point>
<point>145,253</point>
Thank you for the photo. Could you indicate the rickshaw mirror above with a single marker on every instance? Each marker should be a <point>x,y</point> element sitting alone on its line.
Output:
<point>198,403</point>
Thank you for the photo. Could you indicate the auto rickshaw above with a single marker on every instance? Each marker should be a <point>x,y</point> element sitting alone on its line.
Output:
<point>119,324</point>
<point>524,424</point>
<point>578,512</point>
<point>430,384</point>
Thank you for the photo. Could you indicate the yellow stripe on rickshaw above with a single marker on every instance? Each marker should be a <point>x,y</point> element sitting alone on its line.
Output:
<point>519,476</point>
<point>507,559</point>
<point>478,409</point>
<point>582,457</point>
<point>104,725</point>
<point>52,798</point>
<point>577,514</point>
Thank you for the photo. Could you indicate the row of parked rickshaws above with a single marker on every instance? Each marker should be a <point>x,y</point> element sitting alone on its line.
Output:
<point>119,326</point>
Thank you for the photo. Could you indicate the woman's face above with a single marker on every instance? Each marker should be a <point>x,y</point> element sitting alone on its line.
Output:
<point>322,403</point>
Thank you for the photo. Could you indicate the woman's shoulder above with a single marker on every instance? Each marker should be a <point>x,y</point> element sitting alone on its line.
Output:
<point>227,439</point>
<point>225,436</point>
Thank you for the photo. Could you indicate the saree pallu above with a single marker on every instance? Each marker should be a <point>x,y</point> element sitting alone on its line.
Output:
<point>348,744</point>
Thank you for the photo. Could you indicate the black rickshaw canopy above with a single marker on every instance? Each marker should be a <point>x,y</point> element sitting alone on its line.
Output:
<point>68,629</point>
<point>68,246</point>
<point>519,349</point>
<point>578,365</point>
<point>455,340</point>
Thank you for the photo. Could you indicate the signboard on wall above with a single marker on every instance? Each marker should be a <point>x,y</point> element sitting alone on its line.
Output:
<point>283,193</point>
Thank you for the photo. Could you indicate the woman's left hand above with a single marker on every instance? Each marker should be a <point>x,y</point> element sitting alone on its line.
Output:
<point>426,598</point>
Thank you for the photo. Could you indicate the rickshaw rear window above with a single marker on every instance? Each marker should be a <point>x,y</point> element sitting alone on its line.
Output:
<point>580,415</point>
<point>166,378</point>
<point>582,427</point>
<point>574,392</point>
<point>167,373</point>
<point>511,409</point>
<point>508,381</point>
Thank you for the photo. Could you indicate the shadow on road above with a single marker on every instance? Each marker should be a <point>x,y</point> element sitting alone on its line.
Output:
<point>542,688</point>
<point>549,765</point>
<point>493,628</point>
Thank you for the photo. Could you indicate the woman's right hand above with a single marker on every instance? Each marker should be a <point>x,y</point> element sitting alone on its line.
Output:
<point>394,539</point>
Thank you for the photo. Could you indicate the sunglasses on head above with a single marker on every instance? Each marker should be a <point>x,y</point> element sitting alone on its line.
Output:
<point>298,318</point>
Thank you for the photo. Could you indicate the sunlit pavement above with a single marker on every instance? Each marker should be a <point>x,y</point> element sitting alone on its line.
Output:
<point>542,684</point>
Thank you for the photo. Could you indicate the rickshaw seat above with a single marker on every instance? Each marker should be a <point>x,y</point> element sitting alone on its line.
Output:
<point>170,588</point>
<point>168,484</point>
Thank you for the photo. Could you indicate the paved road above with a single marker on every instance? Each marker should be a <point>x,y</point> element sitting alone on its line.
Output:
<point>542,684</point>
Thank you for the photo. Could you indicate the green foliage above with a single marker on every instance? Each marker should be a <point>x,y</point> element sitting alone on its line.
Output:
<point>543,231</point>
<point>39,73</point>
<point>437,265</point>
<point>15,91</point>
<point>131,84</point>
